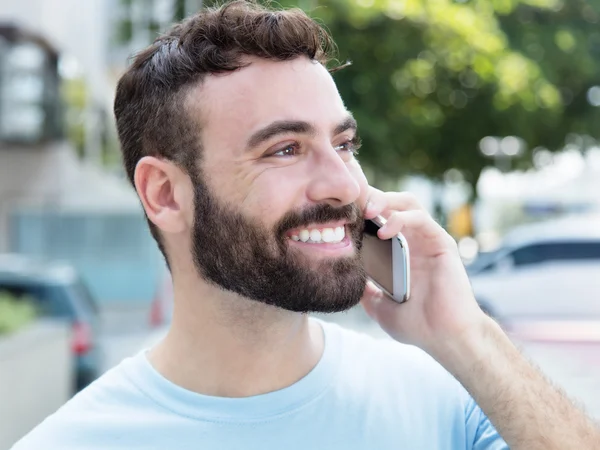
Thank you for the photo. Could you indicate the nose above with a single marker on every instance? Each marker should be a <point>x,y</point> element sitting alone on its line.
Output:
<point>332,181</point>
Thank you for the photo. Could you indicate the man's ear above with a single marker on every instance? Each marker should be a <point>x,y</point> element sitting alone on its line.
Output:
<point>162,188</point>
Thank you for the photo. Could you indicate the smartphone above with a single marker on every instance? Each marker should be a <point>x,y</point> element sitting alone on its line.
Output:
<point>387,262</point>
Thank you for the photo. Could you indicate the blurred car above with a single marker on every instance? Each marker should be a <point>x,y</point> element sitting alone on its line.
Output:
<point>57,292</point>
<point>161,308</point>
<point>542,270</point>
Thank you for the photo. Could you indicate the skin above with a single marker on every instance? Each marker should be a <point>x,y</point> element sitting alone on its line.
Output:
<point>264,183</point>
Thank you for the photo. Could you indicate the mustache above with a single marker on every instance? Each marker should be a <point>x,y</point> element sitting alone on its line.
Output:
<point>320,213</point>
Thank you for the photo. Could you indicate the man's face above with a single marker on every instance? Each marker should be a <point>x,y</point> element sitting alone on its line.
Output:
<point>278,202</point>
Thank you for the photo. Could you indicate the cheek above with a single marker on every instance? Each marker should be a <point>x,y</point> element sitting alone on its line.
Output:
<point>272,194</point>
<point>278,191</point>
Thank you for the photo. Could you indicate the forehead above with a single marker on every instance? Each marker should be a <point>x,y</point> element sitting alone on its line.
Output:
<point>231,106</point>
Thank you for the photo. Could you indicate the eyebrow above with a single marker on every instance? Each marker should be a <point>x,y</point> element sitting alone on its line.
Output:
<point>349,123</point>
<point>294,126</point>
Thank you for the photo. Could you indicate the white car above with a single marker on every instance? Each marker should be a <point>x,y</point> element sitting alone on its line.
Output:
<point>548,270</point>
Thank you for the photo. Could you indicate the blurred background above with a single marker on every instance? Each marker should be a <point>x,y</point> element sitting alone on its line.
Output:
<point>487,110</point>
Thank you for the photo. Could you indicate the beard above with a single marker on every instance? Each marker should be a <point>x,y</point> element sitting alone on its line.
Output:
<point>238,254</point>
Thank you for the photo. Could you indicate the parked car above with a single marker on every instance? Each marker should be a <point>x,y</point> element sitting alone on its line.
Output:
<point>547,270</point>
<point>161,308</point>
<point>57,292</point>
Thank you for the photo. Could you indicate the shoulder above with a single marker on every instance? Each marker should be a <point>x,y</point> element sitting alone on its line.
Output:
<point>404,381</point>
<point>78,423</point>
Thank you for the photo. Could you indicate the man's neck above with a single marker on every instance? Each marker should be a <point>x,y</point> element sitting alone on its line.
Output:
<point>228,346</point>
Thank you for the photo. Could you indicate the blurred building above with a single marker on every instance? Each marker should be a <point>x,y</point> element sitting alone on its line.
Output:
<point>53,204</point>
<point>95,39</point>
<point>31,126</point>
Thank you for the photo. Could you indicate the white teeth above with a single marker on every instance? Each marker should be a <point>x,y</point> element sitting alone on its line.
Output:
<point>328,235</point>
<point>315,235</point>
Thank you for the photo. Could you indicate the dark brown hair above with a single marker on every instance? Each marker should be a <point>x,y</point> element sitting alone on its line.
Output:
<point>149,103</point>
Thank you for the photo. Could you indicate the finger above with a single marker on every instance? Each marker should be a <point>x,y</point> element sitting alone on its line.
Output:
<point>416,220</point>
<point>383,203</point>
<point>402,201</point>
<point>375,203</point>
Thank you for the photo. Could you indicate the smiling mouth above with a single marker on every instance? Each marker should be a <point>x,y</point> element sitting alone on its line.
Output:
<point>319,235</point>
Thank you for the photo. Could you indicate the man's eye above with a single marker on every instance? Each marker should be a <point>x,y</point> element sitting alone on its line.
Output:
<point>351,146</point>
<point>289,150</point>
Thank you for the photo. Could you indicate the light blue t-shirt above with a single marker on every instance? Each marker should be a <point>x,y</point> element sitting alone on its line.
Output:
<point>364,394</point>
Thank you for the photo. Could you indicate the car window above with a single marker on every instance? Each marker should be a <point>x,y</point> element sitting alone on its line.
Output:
<point>61,303</point>
<point>81,296</point>
<point>573,251</point>
<point>556,251</point>
<point>49,300</point>
<point>528,255</point>
<point>19,292</point>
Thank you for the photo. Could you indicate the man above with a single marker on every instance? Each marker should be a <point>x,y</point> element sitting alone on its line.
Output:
<point>243,156</point>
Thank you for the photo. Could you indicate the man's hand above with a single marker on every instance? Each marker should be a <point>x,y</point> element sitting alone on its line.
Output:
<point>443,318</point>
<point>441,305</point>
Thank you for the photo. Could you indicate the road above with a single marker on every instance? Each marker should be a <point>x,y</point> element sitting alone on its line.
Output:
<point>567,352</point>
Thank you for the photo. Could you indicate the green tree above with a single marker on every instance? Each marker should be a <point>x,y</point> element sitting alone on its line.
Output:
<point>430,79</point>
<point>565,43</point>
